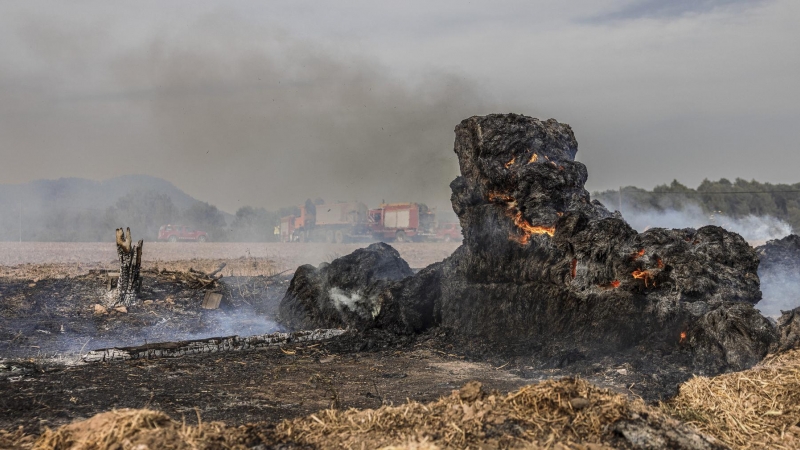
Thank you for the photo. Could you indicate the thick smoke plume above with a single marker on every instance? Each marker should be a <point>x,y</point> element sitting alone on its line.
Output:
<point>236,115</point>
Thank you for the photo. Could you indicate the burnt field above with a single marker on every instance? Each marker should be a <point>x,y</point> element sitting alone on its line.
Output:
<point>51,312</point>
<point>574,330</point>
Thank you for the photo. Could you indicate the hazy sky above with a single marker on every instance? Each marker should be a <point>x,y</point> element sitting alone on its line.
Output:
<point>268,103</point>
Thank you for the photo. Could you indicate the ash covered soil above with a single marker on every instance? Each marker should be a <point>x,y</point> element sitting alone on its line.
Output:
<point>242,387</point>
<point>48,292</point>
<point>48,318</point>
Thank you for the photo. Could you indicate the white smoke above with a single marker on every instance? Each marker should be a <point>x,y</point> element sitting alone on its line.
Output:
<point>754,229</point>
<point>354,302</point>
<point>780,289</point>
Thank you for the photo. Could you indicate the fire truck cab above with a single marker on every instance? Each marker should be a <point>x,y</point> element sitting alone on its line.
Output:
<point>402,222</point>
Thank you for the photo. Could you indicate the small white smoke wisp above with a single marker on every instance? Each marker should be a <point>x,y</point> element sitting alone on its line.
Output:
<point>355,303</point>
<point>342,300</point>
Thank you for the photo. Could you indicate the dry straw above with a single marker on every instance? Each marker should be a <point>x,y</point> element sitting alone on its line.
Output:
<point>754,409</point>
<point>564,414</point>
<point>137,429</point>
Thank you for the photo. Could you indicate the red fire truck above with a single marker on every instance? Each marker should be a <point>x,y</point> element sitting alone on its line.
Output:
<point>402,222</point>
<point>349,222</point>
<point>175,233</point>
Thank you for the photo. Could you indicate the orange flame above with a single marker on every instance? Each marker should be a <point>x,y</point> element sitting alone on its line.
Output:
<point>534,158</point>
<point>638,254</point>
<point>643,275</point>
<point>573,268</point>
<point>522,224</point>
<point>683,336</point>
<point>508,164</point>
<point>528,229</point>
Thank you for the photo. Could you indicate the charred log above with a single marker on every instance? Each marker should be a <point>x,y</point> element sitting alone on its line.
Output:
<point>130,263</point>
<point>210,345</point>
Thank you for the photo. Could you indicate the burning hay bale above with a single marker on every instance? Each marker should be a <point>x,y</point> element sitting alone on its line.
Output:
<point>756,408</point>
<point>545,270</point>
<point>543,264</point>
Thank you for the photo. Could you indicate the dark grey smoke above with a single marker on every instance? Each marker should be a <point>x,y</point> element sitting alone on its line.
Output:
<point>242,115</point>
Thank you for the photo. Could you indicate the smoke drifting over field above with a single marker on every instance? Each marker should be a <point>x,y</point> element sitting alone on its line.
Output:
<point>754,229</point>
<point>284,118</point>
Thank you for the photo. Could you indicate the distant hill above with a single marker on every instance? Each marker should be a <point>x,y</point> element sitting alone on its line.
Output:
<point>80,193</point>
<point>74,205</point>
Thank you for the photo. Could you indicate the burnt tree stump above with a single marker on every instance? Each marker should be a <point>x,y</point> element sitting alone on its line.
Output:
<point>130,262</point>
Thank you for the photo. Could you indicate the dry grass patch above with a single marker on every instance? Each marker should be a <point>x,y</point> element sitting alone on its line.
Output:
<point>563,414</point>
<point>754,409</point>
<point>139,429</point>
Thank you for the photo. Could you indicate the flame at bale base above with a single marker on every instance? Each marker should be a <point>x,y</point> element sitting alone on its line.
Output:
<point>525,228</point>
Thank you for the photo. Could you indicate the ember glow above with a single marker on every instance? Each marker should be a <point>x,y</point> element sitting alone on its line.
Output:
<point>638,254</point>
<point>643,275</point>
<point>574,268</point>
<point>611,285</point>
<point>526,228</point>
<point>683,336</point>
<point>534,158</point>
<point>508,164</point>
<point>660,263</point>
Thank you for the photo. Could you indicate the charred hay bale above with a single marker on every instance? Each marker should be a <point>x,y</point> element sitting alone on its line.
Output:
<point>543,267</point>
<point>780,252</point>
<point>789,329</point>
<point>357,291</point>
<point>730,336</point>
<point>779,272</point>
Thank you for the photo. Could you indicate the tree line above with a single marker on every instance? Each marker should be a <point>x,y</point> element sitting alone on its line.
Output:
<point>735,199</point>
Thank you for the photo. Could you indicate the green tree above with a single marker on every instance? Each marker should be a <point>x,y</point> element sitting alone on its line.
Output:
<point>254,225</point>
<point>208,218</point>
<point>144,211</point>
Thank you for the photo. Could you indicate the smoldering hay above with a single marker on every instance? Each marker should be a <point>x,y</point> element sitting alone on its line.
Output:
<point>544,270</point>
